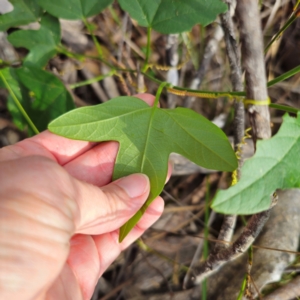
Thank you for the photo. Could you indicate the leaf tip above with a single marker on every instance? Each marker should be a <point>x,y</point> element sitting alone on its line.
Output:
<point>124,230</point>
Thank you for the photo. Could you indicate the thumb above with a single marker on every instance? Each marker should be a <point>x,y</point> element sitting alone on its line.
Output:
<point>107,208</point>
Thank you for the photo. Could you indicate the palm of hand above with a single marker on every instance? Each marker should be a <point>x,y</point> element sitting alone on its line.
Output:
<point>58,247</point>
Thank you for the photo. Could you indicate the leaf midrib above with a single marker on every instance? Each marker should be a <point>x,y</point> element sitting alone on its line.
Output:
<point>153,110</point>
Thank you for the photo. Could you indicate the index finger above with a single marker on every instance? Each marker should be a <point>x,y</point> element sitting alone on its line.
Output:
<point>47,144</point>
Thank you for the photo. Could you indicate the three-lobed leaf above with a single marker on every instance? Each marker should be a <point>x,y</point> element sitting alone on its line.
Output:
<point>275,165</point>
<point>169,16</point>
<point>24,12</point>
<point>41,43</point>
<point>74,9</point>
<point>147,135</point>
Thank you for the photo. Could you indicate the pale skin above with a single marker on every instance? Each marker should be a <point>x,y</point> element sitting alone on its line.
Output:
<point>60,215</point>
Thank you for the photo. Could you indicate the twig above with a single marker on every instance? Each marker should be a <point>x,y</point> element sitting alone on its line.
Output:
<point>122,39</point>
<point>228,225</point>
<point>229,222</point>
<point>113,292</point>
<point>274,10</point>
<point>254,65</point>
<point>209,52</point>
<point>239,247</point>
<point>253,61</point>
<point>197,255</point>
<point>289,291</point>
<point>172,59</point>
<point>256,85</point>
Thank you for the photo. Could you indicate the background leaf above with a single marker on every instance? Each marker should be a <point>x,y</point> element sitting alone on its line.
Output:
<point>41,43</point>
<point>21,93</point>
<point>169,16</point>
<point>147,136</point>
<point>25,12</point>
<point>275,165</point>
<point>74,9</point>
<point>50,100</point>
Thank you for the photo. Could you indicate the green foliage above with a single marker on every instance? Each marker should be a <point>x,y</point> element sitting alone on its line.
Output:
<point>20,92</point>
<point>275,165</point>
<point>147,136</point>
<point>25,11</point>
<point>74,9</point>
<point>169,16</point>
<point>50,99</point>
<point>42,43</point>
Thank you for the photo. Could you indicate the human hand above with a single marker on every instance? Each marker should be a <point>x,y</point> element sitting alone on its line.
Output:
<point>59,215</point>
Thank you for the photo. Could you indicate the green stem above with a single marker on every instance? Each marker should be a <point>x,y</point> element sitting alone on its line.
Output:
<point>149,29</point>
<point>61,49</point>
<point>159,90</point>
<point>81,57</point>
<point>284,76</point>
<point>19,105</point>
<point>280,78</point>
<point>92,80</point>
<point>285,26</point>
<point>284,108</point>
<point>214,94</point>
<point>114,15</point>
<point>152,78</point>
<point>210,94</point>
<point>206,233</point>
<point>244,283</point>
<point>98,46</point>
<point>242,290</point>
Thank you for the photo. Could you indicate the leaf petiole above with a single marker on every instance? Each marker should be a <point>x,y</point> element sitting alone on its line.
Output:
<point>149,29</point>
<point>159,91</point>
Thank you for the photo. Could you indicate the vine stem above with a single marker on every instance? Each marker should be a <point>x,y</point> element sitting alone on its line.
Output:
<point>19,105</point>
<point>291,20</point>
<point>88,26</point>
<point>92,80</point>
<point>149,29</point>
<point>215,95</point>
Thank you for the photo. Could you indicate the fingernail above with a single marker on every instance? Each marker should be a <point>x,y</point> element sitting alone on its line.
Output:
<point>134,185</point>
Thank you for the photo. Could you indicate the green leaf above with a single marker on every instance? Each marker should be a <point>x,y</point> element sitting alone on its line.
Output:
<point>147,135</point>
<point>41,43</point>
<point>74,9</point>
<point>41,94</point>
<point>275,165</point>
<point>20,92</point>
<point>50,98</point>
<point>169,16</point>
<point>25,12</point>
